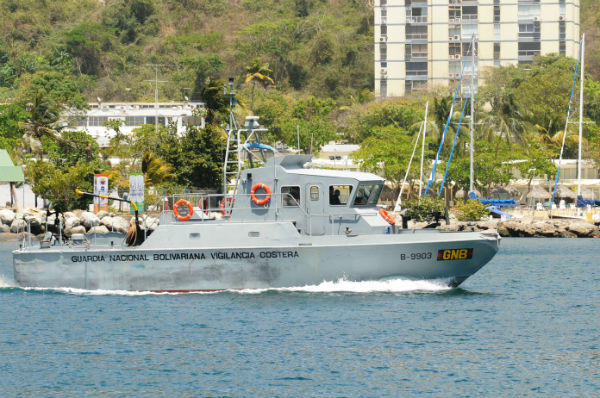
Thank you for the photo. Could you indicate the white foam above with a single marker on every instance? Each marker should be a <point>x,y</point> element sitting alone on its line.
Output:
<point>5,282</point>
<point>340,286</point>
<point>346,286</point>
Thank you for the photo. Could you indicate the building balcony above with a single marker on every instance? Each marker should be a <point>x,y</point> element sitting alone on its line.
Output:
<point>469,18</point>
<point>416,20</point>
<point>416,75</point>
<point>529,38</point>
<point>417,57</point>
<point>416,36</point>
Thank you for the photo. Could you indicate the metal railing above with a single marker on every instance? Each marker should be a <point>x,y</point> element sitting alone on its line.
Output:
<point>241,209</point>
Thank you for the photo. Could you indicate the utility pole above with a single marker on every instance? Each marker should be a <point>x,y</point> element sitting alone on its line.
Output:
<point>156,81</point>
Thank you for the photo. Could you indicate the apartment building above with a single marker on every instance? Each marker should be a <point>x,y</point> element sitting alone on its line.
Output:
<point>423,44</point>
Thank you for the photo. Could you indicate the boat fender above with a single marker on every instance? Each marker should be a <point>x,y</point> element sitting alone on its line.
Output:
<point>387,216</point>
<point>203,205</point>
<point>263,201</point>
<point>183,202</point>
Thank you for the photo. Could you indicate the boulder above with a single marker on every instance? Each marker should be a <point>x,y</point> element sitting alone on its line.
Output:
<point>36,223</point>
<point>582,229</point>
<point>146,222</point>
<point>101,214</point>
<point>544,229</point>
<point>4,228</point>
<point>89,220</point>
<point>7,216</point>
<point>78,229</point>
<point>18,225</point>
<point>71,221</point>
<point>98,229</point>
<point>115,224</point>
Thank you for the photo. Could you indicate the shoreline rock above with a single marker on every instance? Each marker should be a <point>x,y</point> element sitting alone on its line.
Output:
<point>104,222</point>
<point>12,222</point>
<point>527,228</point>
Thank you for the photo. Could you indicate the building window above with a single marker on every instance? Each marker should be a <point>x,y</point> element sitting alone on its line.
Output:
<point>416,68</point>
<point>469,13</point>
<point>496,11</point>
<point>383,52</point>
<point>290,196</point>
<point>529,31</point>
<point>529,11</point>
<point>416,32</point>
<point>562,45</point>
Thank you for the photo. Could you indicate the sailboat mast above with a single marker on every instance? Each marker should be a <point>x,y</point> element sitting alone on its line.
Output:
<point>580,115</point>
<point>472,123</point>
<point>423,149</point>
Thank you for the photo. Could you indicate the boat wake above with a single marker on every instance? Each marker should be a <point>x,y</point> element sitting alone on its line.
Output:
<point>346,286</point>
<point>340,286</point>
<point>5,282</point>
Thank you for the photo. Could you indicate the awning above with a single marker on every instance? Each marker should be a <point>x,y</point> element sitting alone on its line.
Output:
<point>8,171</point>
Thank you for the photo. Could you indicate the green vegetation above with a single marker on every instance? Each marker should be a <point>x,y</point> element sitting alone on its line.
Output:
<point>303,66</point>
<point>425,209</point>
<point>471,210</point>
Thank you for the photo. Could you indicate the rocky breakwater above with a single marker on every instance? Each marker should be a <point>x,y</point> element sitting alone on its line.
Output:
<point>525,228</point>
<point>77,222</point>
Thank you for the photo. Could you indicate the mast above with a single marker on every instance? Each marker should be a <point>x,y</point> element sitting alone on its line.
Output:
<point>472,123</point>
<point>423,149</point>
<point>421,129</point>
<point>580,115</point>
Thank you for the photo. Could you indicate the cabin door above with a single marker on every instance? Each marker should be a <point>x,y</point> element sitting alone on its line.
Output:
<point>314,202</point>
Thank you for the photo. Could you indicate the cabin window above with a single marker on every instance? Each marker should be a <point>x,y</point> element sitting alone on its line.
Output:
<point>339,194</point>
<point>314,193</point>
<point>367,194</point>
<point>290,196</point>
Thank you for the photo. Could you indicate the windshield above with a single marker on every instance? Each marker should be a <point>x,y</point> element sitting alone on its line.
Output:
<point>367,194</point>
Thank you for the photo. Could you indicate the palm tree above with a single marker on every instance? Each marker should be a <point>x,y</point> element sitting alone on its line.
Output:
<point>505,121</point>
<point>155,169</point>
<point>258,73</point>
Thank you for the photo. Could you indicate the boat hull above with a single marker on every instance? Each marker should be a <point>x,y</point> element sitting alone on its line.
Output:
<point>451,257</point>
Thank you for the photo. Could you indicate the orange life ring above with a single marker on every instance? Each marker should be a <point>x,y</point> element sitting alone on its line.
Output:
<point>185,203</point>
<point>222,205</point>
<point>263,201</point>
<point>387,216</point>
<point>203,205</point>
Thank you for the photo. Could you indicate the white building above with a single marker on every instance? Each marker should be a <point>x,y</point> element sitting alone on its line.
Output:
<point>336,156</point>
<point>421,44</point>
<point>133,115</point>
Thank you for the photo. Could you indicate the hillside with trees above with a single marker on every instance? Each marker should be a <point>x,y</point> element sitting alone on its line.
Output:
<point>301,65</point>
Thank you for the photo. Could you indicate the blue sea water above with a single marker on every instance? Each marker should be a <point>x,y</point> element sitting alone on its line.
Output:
<point>526,325</point>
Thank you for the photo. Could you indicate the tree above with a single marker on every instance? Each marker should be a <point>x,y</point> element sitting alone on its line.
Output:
<point>156,170</point>
<point>258,73</point>
<point>198,157</point>
<point>387,149</point>
<point>58,186</point>
<point>537,162</point>
<point>217,105</point>
<point>396,113</point>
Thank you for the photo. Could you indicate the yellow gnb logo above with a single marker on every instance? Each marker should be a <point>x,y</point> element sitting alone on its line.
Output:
<point>454,254</point>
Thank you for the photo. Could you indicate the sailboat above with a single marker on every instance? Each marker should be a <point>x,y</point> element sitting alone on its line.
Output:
<point>580,201</point>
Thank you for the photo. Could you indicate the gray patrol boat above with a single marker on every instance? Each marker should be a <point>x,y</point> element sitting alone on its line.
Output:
<point>281,224</point>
